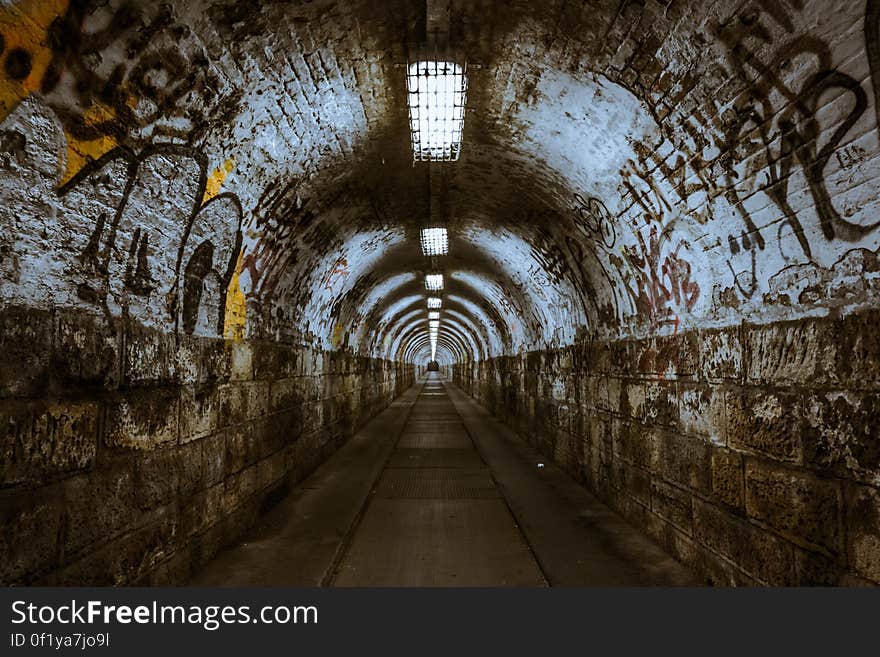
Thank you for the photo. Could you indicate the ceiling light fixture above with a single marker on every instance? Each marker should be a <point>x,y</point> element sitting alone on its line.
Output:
<point>437,92</point>
<point>434,303</point>
<point>434,314</point>
<point>434,282</point>
<point>435,241</point>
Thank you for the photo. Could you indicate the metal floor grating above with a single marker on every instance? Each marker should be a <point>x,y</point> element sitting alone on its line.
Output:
<point>439,483</point>
<point>450,439</point>
<point>409,457</point>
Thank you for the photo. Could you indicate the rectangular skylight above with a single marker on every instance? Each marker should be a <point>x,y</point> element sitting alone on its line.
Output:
<point>434,281</point>
<point>434,241</point>
<point>437,92</point>
<point>434,324</point>
<point>434,302</point>
<point>433,315</point>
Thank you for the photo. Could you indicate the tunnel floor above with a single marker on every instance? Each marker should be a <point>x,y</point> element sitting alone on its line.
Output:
<point>435,492</point>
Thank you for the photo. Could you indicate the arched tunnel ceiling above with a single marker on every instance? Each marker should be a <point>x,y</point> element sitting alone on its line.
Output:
<point>627,166</point>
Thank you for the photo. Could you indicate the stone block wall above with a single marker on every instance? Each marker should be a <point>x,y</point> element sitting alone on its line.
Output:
<point>751,453</point>
<point>131,456</point>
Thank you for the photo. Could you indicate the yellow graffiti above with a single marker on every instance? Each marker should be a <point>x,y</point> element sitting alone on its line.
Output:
<point>24,26</point>
<point>336,339</point>
<point>217,178</point>
<point>235,319</point>
<point>79,152</point>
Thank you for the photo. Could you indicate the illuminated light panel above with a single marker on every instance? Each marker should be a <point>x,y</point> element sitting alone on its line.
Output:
<point>434,282</point>
<point>434,315</point>
<point>434,302</point>
<point>435,241</point>
<point>437,93</point>
<point>434,324</point>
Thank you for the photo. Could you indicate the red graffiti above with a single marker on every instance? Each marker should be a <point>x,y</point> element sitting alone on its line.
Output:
<point>339,270</point>
<point>659,283</point>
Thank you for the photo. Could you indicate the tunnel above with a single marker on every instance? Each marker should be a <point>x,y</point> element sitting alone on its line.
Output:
<point>440,292</point>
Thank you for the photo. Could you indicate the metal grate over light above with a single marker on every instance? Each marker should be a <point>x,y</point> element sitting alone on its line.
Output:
<point>434,303</point>
<point>435,241</point>
<point>434,282</point>
<point>434,314</point>
<point>437,92</point>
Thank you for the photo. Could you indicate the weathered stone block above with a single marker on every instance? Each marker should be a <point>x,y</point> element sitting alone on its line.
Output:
<point>202,510</point>
<point>240,448</point>
<point>157,476</point>
<point>127,559</point>
<point>273,432</point>
<point>198,412</point>
<point>687,363</point>
<point>815,569</point>
<point>790,352</point>
<point>685,461</point>
<point>87,350</point>
<point>88,522</point>
<point>727,477</point>
<point>661,403</point>
<point>41,439</point>
<point>766,557</point>
<point>188,367</point>
<point>857,353</point>
<point>241,367</point>
<point>641,446</point>
<point>632,480</point>
<point>671,357</point>
<point>285,394</point>
<point>142,419</point>
<point>29,541</point>
<point>231,404</point>
<point>25,342</point>
<point>701,412</point>
<point>257,396</point>
<point>191,467</point>
<point>633,399</point>
<point>764,422</point>
<point>621,357</point>
<point>215,363</point>
<point>672,504</point>
<point>842,432</point>
<point>150,356</point>
<point>720,355</point>
<point>272,360</point>
<point>796,503</point>
<point>863,530</point>
<point>213,458</point>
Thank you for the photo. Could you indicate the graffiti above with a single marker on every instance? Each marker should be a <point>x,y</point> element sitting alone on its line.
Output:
<point>339,270</point>
<point>595,221</point>
<point>115,73</point>
<point>235,321</point>
<point>750,280</point>
<point>797,125</point>
<point>872,46</point>
<point>130,233</point>
<point>851,156</point>
<point>280,214</point>
<point>657,278</point>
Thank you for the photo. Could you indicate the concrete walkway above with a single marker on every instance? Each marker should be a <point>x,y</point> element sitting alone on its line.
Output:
<point>435,492</point>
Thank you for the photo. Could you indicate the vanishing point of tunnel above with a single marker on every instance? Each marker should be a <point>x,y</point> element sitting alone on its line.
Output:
<point>440,292</point>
